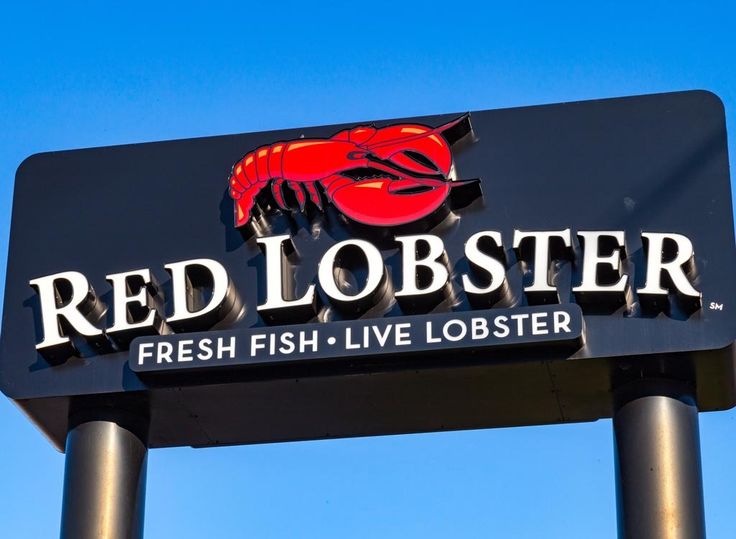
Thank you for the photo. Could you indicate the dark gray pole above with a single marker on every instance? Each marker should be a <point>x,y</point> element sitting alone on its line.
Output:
<point>104,481</point>
<point>659,482</point>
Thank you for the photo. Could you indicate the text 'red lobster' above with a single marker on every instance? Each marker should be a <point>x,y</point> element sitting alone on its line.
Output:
<point>375,176</point>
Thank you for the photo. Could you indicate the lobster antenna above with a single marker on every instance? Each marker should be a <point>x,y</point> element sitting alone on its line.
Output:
<point>456,129</point>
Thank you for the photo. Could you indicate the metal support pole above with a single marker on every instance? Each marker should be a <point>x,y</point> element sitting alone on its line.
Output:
<point>659,482</point>
<point>104,481</point>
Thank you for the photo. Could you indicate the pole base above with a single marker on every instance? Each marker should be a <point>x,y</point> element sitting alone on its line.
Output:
<point>659,483</point>
<point>104,481</point>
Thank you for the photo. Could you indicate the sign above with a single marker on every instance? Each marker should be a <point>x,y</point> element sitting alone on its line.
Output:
<point>548,325</point>
<point>478,269</point>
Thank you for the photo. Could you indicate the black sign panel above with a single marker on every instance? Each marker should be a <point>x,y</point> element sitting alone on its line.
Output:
<point>370,238</point>
<point>493,328</point>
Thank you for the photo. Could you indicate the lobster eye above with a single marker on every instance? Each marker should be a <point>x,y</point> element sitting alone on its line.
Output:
<point>354,156</point>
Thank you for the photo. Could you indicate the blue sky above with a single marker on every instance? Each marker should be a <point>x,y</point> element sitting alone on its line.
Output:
<point>93,74</point>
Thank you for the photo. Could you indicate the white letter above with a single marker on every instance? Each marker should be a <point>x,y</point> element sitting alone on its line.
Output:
<point>479,328</point>
<point>287,343</point>
<point>382,338</point>
<point>540,283</point>
<point>206,350</point>
<point>142,354</point>
<point>255,344</point>
<point>121,300</point>
<point>519,322</point>
<point>438,270</point>
<point>655,265</point>
<point>592,258</point>
<point>562,322</point>
<point>495,268</point>
<point>221,349</point>
<point>304,342</point>
<point>349,345</point>
<point>164,352</point>
<point>277,278</point>
<point>459,336</point>
<point>182,282</point>
<point>185,352</point>
<point>403,336</point>
<point>539,327</point>
<point>500,323</point>
<point>82,295</point>
<point>326,272</point>
<point>431,339</point>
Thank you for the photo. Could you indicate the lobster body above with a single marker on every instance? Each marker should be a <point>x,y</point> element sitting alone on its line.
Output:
<point>387,176</point>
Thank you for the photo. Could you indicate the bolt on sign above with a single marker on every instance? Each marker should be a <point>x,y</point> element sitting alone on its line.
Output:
<point>478,269</point>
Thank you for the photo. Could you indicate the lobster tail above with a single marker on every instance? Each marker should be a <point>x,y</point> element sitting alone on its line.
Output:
<point>252,173</point>
<point>242,211</point>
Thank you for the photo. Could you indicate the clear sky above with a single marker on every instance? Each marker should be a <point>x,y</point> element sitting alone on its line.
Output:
<point>92,74</point>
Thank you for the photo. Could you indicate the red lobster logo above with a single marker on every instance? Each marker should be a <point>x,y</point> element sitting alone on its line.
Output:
<point>375,176</point>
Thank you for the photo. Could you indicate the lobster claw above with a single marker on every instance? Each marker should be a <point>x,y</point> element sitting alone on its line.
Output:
<point>417,149</point>
<point>418,161</point>
<point>390,202</point>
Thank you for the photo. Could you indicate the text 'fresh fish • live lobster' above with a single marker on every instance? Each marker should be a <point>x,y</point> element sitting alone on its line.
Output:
<point>376,176</point>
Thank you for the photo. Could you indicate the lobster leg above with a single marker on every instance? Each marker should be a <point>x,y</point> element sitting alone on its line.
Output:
<point>301,198</point>
<point>277,188</point>
<point>314,194</point>
<point>278,193</point>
